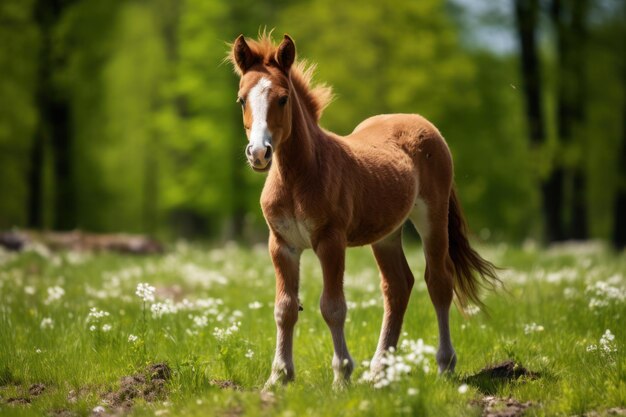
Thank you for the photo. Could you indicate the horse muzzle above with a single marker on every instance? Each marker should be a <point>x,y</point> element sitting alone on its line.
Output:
<point>259,157</point>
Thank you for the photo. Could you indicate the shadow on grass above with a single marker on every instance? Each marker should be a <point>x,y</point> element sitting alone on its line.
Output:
<point>489,379</point>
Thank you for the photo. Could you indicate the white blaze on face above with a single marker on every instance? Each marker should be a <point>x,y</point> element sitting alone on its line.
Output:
<point>260,136</point>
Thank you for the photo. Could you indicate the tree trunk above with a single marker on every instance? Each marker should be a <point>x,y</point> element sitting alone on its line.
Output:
<point>526,12</point>
<point>64,196</point>
<point>53,127</point>
<point>619,228</point>
<point>35,182</point>
<point>569,21</point>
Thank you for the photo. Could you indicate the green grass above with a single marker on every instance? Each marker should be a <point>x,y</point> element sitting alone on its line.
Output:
<point>551,288</point>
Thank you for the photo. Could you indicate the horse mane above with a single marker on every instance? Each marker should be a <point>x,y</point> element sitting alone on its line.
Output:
<point>315,97</point>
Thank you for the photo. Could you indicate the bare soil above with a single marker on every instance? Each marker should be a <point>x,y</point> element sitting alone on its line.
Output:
<point>36,389</point>
<point>226,384</point>
<point>615,411</point>
<point>502,407</point>
<point>488,379</point>
<point>508,369</point>
<point>149,385</point>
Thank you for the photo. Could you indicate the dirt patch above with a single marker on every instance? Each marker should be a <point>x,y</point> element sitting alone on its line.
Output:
<point>61,413</point>
<point>507,370</point>
<point>150,385</point>
<point>615,411</point>
<point>36,389</point>
<point>226,384</point>
<point>502,407</point>
<point>18,401</point>
<point>81,241</point>
<point>488,379</point>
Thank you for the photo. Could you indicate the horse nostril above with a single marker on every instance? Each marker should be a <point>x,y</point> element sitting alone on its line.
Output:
<point>268,153</point>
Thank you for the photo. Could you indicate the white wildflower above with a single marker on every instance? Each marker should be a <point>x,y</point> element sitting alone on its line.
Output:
<point>570,292</point>
<point>463,388</point>
<point>92,328</point>
<point>413,354</point>
<point>106,327</point>
<point>47,323</point>
<point>195,274</point>
<point>472,310</point>
<point>223,333</point>
<point>145,292</point>
<point>132,338</point>
<point>95,314</point>
<point>200,321</point>
<point>412,391</point>
<point>532,328</point>
<point>249,354</point>
<point>160,309</point>
<point>604,293</point>
<point>607,342</point>
<point>98,410</point>
<point>607,346</point>
<point>54,293</point>
<point>255,305</point>
<point>29,289</point>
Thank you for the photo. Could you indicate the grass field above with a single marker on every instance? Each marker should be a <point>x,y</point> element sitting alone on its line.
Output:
<point>76,339</point>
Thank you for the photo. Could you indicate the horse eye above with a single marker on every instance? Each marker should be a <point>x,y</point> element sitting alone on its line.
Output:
<point>282,101</point>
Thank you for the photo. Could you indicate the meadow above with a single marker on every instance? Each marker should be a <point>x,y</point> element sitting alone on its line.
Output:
<point>191,333</point>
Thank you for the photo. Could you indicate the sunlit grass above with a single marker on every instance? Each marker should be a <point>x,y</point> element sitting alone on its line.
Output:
<point>76,324</point>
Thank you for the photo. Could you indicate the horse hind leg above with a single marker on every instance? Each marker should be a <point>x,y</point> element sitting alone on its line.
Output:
<point>396,284</point>
<point>431,222</point>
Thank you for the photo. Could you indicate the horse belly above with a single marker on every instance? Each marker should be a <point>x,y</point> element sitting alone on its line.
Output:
<point>383,211</point>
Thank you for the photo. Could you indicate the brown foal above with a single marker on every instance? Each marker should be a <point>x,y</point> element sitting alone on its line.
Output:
<point>327,192</point>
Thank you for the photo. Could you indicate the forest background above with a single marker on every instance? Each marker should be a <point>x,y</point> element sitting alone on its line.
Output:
<point>120,115</point>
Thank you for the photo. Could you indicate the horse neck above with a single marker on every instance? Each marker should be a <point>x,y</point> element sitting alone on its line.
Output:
<point>298,154</point>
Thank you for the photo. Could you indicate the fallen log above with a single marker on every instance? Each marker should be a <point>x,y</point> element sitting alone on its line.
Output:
<point>81,241</point>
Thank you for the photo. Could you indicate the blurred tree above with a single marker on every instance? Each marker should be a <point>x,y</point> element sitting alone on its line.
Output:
<point>54,124</point>
<point>619,234</point>
<point>614,35</point>
<point>152,139</point>
<point>568,18</point>
<point>551,178</point>
<point>19,42</point>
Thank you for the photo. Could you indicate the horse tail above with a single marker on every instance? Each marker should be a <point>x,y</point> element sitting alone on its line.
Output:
<point>472,272</point>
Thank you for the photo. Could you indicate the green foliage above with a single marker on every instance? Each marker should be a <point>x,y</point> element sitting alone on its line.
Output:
<point>156,138</point>
<point>18,72</point>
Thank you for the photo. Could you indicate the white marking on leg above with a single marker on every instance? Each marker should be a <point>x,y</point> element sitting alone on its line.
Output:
<point>260,136</point>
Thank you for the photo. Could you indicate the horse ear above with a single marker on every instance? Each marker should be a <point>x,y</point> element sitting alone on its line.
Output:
<point>286,53</point>
<point>244,58</point>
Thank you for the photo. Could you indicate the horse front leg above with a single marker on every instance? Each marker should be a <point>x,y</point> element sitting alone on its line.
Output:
<point>286,263</point>
<point>331,252</point>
